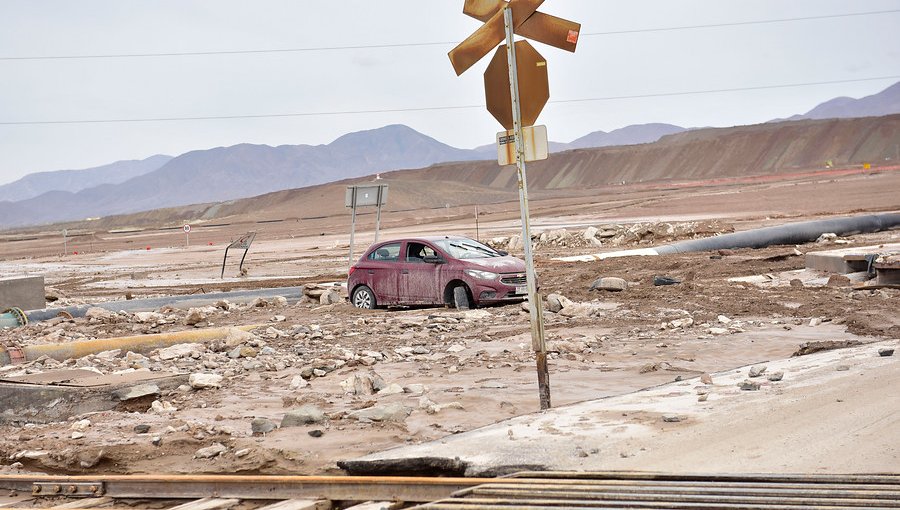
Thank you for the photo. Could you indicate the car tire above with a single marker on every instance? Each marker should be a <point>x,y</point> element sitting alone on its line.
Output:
<point>363,297</point>
<point>461,298</point>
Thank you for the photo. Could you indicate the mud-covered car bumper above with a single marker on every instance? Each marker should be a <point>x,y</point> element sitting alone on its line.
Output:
<point>508,287</point>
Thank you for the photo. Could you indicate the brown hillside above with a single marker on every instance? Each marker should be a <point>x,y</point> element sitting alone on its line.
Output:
<point>713,153</point>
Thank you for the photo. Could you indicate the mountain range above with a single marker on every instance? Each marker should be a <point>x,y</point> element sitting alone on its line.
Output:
<point>227,173</point>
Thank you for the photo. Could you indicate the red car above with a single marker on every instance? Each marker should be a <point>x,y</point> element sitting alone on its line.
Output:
<point>433,271</point>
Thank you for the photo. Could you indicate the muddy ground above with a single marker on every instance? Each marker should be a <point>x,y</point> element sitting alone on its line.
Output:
<point>439,371</point>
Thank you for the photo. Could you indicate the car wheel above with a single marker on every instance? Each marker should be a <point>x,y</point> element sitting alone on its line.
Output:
<point>363,297</point>
<point>461,298</point>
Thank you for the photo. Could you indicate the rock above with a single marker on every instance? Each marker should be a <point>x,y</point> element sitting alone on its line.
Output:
<point>843,368</point>
<point>162,407</point>
<point>796,283</point>
<point>141,390</point>
<point>80,425</point>
<point>304,415</point>
<point>396,413</point>
<point>259,303</point>
<point>298,382</point>
<point>391,389</point>
<point>243,452</point>
<point>316,433</point>
<point>194,316</point>
<point>826,238</point>
<point>749,386</point>
<point>706,379</point>
<point>775,376</point>
<point>146,317</point>
<point>590,233</point>
<point>885,352</point>
<point>660,281</point>
<point>198,381</point>
<point>363,384</point>
<point>210,451</point>
<point>142,428</point>
<point>262,426</point>
<point>757,370</point>
<point>415,389</point>
<point>236,337</point>
<point>247,352</point>
<point>610,283</point>
<point>453,349</point>
<point>180,351</point>
<point>556,302</point>
<point>815,321</point>
<point>581,310</point>
<point>330,297</point>
<point>723,319</point>
<point>703,397</point>
<point>718,331</point>
<point>671,418</point>
<point>98,313</point>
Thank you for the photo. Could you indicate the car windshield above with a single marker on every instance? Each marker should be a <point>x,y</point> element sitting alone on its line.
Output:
<point>466,249</point>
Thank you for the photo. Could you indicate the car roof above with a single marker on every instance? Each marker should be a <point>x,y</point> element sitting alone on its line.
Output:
<point>430,239</point>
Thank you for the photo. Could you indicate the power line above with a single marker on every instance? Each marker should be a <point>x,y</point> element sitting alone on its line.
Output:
<point>436,43</point>
<point>435,108</point>
<point>741,23</point>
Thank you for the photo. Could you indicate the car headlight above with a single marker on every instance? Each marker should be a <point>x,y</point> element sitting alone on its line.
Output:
<point>481,275</point>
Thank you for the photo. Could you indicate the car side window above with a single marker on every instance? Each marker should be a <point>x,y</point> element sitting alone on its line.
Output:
<point>416,252</point>
<point>386,253</point>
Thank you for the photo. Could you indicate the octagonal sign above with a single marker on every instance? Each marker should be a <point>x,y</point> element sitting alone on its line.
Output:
<point>534,89</point>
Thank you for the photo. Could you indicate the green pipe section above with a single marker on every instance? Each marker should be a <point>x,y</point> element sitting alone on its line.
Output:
<point>13,318</point>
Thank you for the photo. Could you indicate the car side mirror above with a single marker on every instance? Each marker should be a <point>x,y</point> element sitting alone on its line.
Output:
<point>433,259</point>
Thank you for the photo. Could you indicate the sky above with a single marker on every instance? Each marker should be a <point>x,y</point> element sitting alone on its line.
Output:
<point>362,57</point>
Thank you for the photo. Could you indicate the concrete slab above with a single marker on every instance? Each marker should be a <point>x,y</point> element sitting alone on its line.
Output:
<point>25,292</point>
<point>848,260</point>
<point>696,427</point>
<point>56,395</point>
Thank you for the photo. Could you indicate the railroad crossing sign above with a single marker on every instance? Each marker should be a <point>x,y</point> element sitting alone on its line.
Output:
<point>534,89</point>
<point>527,22</point>
<point>516,89</point>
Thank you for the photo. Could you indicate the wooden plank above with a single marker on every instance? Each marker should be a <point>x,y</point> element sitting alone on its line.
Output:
<point>83,503</point>
<point>207,504</point>
<point>376,505</point>
<point>299,504</point>
<point>14,502</point>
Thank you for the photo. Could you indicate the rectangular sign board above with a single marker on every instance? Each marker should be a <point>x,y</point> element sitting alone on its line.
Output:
<point>536,145</point>
<point>366,195</point>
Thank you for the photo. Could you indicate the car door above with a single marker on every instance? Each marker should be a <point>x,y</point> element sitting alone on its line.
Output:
<point>383,272</point>
<point>420,280</point>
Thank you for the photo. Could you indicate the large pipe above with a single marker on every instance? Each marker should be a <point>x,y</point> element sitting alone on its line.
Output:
<point>138,343</point>
<point>183,302</point>
<point>13,318</point>
<point>792,233</point>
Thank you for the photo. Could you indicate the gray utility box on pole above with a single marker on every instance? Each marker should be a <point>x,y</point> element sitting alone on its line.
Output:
<point>365,195</point>
<point>25,292</point>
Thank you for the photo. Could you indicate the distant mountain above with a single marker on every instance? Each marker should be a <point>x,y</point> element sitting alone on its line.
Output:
<point>628,135</point>
<point>886,102</point>
<point>245,170</point>
<point>36,184</point>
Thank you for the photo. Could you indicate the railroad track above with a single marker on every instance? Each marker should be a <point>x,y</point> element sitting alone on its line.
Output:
<point>526,490</point>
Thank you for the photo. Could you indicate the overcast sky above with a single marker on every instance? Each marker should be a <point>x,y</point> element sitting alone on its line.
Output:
<point>418,76</point>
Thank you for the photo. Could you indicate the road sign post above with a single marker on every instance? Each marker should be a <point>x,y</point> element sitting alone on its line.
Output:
<point>502,20</point>
<point>534,298</point>
<point>362,196</point>
<point>187,235</point>
<point>65,242</point>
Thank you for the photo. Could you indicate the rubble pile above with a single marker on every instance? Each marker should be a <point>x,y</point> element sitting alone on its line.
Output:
<point>615,235</point>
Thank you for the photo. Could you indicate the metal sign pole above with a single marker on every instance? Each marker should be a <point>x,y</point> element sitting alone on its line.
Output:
<point>477,237</point>
<point>534,299</point>
<point>378,214</point>
<point>65,242</point>
<point>352,231</point>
